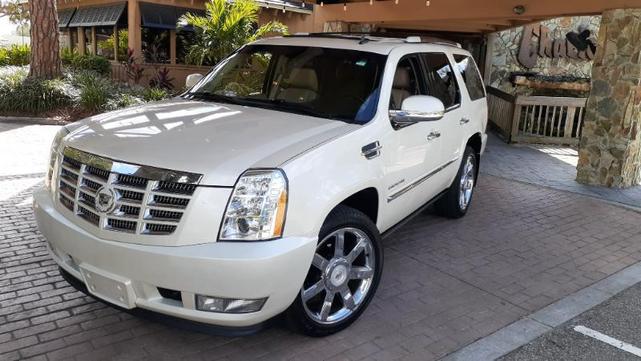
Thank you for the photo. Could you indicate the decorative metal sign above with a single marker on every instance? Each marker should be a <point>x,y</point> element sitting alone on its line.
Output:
<point>537,42</point>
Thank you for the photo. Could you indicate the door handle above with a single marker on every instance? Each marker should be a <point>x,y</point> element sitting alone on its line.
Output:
<point>433,135</point>
<point>464,121</point>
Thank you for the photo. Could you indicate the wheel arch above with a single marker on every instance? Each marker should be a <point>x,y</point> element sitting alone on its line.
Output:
<point>366,200</point>
<point>476,143</point>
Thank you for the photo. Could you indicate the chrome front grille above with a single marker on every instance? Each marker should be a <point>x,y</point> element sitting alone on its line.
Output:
<point>148,200</point>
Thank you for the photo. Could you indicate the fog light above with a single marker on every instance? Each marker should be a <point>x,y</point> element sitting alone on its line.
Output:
<point>228,305</point>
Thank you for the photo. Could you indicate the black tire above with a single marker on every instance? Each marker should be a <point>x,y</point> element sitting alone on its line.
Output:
<point>449,205</point>
<point>340,218</point>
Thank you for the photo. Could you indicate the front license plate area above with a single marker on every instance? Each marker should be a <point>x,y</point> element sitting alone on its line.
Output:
<point>111,288</point>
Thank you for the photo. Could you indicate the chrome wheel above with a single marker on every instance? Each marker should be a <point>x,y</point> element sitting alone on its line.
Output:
<point>467,183</point>
<point>341,276</point>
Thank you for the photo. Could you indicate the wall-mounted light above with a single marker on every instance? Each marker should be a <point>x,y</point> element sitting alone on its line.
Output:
<point>371,2</point>
<point>396,2</point>
<point>427,2</point>
<point>519,10</point>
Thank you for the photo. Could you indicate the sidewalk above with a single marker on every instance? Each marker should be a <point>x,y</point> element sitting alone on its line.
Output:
<point>549,166</point>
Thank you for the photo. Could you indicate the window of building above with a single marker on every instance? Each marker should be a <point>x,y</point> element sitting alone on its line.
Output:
<point>441,82</point>
<point>105,41</point>
<point>155,45</point>
<point>467,67</point>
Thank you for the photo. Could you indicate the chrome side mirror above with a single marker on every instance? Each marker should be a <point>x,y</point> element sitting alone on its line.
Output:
<point>192,79</point>
<point>418,108</point>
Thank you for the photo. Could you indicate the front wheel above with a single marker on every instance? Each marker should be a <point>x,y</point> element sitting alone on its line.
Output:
<point>456,201</point>
<point>343,277</point>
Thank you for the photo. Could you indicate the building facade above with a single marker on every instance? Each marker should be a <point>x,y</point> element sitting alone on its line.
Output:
<point>149,28</point>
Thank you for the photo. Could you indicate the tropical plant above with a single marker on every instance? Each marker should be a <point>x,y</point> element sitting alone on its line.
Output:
<point>154,94</point>
<point>123,41</point>
<point>16,55</point>
<point>226,26</point>
<point>162,80</point>
<point>132,68</point>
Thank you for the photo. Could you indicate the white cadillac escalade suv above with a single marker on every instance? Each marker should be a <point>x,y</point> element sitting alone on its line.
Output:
<point>265,188</point>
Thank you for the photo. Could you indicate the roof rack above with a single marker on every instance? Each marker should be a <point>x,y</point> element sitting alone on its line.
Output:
<point>364,37</point>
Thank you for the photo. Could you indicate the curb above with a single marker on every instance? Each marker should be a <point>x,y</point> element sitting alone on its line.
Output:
<point>31,121</point>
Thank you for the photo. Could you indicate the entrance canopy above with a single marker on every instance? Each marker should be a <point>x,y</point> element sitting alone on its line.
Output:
<point>472,16</point>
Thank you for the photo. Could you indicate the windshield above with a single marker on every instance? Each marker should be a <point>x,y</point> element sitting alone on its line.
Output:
<point>328,83</point>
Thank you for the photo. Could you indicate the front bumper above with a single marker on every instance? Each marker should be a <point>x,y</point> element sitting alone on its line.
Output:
<point>273,269</point>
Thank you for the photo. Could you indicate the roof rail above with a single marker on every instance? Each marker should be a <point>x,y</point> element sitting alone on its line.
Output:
<point>364,37</point>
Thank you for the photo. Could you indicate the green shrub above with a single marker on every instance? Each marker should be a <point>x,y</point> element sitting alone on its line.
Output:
<point>123,100</point>
<point>16,55</point>
<point>95,91</point>
<point>19,94</point>
<point>154,94</point>
<point>68,56</point>
<point>77,62</point>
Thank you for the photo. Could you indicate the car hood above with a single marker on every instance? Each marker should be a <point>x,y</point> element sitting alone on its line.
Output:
<point>219,141</point>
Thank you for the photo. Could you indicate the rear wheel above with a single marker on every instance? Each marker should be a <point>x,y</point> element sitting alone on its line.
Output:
<point>457,200</point>
<point>343,277</point>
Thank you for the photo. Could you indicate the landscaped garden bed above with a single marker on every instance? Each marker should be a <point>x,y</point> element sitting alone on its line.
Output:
<point>84,89</point>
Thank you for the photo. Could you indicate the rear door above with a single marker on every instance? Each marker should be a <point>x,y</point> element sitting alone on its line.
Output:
<point>442,83</point>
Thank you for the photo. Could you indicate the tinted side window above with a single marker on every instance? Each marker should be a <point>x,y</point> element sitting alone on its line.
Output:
<point>466,66</point>
<point>406,81</point>
<point>441,82</point>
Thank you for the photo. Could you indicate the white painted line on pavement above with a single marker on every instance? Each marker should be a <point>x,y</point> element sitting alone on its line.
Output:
<point>609,340</point>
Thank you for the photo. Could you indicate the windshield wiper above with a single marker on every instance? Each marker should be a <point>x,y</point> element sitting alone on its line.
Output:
<point>215,97</point>
<point>301,109</point>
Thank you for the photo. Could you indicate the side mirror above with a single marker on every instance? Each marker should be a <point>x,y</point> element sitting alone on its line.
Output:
<point>418,108</point>
<point>192,79</point>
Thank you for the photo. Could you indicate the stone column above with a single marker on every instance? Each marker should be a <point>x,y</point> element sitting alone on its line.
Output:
<point>610,147</point>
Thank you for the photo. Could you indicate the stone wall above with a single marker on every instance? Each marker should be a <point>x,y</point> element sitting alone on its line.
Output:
<point>506,44</point>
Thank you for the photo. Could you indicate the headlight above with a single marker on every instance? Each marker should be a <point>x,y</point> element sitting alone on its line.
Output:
<point>55,145</point>
<point>256,208</point>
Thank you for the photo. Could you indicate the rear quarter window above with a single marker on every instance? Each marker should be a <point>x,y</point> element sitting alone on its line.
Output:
<point>466,66</point>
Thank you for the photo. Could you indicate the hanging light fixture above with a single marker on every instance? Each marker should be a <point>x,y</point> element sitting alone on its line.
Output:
<point>322,3</point>
<point>283,9</point>
<point>345,6</point>
<point>427,2</point>
<point>396,2</point>
<point>371,2</point>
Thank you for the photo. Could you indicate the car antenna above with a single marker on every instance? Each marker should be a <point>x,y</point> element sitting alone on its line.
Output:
<point>363,40</point>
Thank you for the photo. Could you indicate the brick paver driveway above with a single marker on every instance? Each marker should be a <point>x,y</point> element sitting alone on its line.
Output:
<point>445,284</point>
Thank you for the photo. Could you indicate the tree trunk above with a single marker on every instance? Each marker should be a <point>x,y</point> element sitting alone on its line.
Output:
<point>45,52</point>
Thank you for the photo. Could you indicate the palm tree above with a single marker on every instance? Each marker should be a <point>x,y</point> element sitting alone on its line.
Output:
<point>227,26</point>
